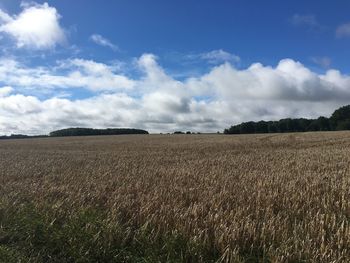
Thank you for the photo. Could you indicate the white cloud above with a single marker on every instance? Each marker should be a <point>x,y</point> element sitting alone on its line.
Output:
<point>343,30</point>
<point>18,104</point>
<point>154,74</point>
<point>36,27</point>
<point>219,56</point>
<point>4,17</point>
<point>324,62</point>
<point>4,91</point>
<point>166,103</point>
<point>78,73</point>
<point>214,57</point>
<point>102,41</point>
<point>289,81</point>
<point>158,102</point>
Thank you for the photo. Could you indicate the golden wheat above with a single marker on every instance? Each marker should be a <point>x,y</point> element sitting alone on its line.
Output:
<point>287,195</point>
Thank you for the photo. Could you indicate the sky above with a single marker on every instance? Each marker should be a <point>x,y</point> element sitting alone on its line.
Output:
<point>165,65</point>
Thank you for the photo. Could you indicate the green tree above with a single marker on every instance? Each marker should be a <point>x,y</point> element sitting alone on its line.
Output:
<point>339,116</point>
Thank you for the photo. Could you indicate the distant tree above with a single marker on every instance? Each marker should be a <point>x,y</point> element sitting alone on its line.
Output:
<point>303,124</point>
<point>261,127</point>
<point>320,124</point>
<point>21,136</point>
<point>178,132</point>
<point>343,125</point>
<point>314,126</point>
<point>340,117</point>
<point>233,130</point>
<point>340,114</point>
<point>340,120</point>
<point>324,123</point>
<point>89,131</point>
<point>272,127</point>
<point>247,127</point>
<point>188,132</point>
<point>284,125</point>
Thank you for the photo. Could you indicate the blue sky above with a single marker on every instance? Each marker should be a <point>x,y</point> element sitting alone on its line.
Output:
<point>169,65</point>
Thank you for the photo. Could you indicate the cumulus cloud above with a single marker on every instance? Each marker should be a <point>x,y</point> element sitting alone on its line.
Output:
<point>102,41</point>
<point>4,91</point>
<point>160,103</point>
<point>74,73</point>
<point>4,17</point>
<point>343,30</point>
<point>36,27</point>
<point>166,103</point>
<point>290,80</point>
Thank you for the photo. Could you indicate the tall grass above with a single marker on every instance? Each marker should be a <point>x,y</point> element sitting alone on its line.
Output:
<point>185,198</point>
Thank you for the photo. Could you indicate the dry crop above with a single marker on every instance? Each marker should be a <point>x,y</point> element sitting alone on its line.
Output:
<point>176,198</point>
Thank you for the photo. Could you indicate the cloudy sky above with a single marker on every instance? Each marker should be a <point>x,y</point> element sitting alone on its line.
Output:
<point>166,65</point>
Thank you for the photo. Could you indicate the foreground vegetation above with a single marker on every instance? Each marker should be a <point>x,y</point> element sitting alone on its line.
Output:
<point>178,198</point>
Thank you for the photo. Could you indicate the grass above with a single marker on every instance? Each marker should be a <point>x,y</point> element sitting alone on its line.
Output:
<point>30,234</point>
<point>186,198</point>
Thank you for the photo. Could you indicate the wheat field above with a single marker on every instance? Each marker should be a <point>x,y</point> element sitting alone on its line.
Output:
<point>176,198</point>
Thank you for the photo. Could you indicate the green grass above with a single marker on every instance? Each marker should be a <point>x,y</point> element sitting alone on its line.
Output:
<point>11,255</point>
<point>30,234</point>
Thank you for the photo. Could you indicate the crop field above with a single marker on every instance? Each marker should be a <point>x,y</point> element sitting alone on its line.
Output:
<point>176,198</point>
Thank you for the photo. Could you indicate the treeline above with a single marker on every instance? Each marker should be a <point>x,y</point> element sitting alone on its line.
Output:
<point>90,131</point>
<point>181,132</point>
<point>21,136</point>
<point>339,120</point>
